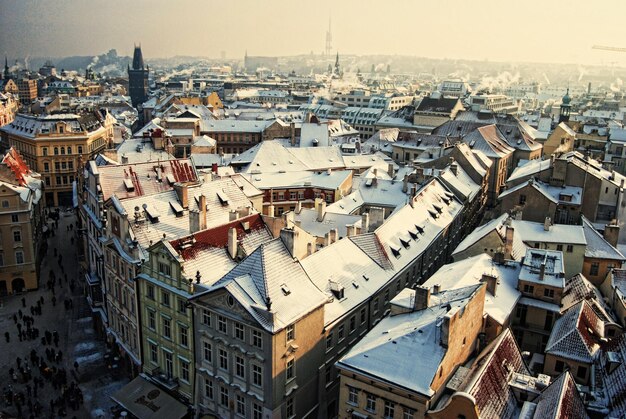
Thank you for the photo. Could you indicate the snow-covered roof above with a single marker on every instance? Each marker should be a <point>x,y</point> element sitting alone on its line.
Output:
<point>576,335</point>
<point>307,218</point>
<point>527,168</point>
<point>405,350</point>
<point>568,195</point>
<point>597,246</point>
<point>499,226</point>
<point>470,271</point>
<point>531,232</point>
<point>561,399</point>
<point>323,180</point>
<point>137,150</point>
<point>544,267</point>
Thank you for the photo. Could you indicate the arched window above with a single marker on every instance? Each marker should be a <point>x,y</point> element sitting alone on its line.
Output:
<point>62,150</point>
<point>56,151</point>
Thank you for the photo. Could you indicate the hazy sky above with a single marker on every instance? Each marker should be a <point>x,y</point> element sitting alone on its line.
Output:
<point>543,31</point>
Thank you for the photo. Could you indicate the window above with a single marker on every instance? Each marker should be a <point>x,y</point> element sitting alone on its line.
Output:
<point>257,411</point>
<point>559,366</point>
<point>408,413</point>
<point>328,375</point>
<point>207,350</point>
<point>559,247</point>
<point>62,148</point>
<point>167,328</point>
<point>1,259</point>
<point>184,370</point>
<point>362,315</point>
<point>257,339</point>
<point>223,356</point>
<point>17,236</point>
<point>221,323</point>
<point>241,405</point>
<point>375,309</point>
<point>370,405</point>
<point>184,336</point>
<point>352,324</point>
<point>291,369</point>
<point>151,319</point>
<point>181,306</point>
<point>529,289</point>
<point>570,248</point>
<point>165,298</point>
<point>239,331</point>
<point>69,150</point>
<point>547,292</point>
<point>15,218</point>
<point>80,149</point>
<point>150,291</point>
<point>340,333</point>
<point>169,363</point>
<point>44,151</point>
<point>154,354</point>
<point>291,332</point>
<point>257,375</point>
<point>223,396</point>
<point>595,268</point>
<point>581,372</point>
<point>329,341</point>
<point>165,269</point>
<point>291,407</point>
<point>19,257</point>
<point>353,396</point>
<point>206,317</point>
<point>389,409</point>
<point>240,367</point>
<point>208,388</point>
<point>522,199</point>
<point>56,151</point>
<point>46,167</point>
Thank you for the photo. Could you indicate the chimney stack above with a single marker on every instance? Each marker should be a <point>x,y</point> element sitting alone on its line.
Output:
<point>270,210</point>
<point>547,223</point>
<point>365,223</point>
<point>232,242</point>
<point>492,283</point>
<point>542,270</point>
<point>194,221</point>
<point>611,233</point>
<point>333,235</point>
<point>405,184</point>
<point>321,209</point>
<point>298,207</point>
<point>292,133</point>
<point>202,209</point>
<point>377,217</point>
<point>182,192</point>
<point>390,170</point>
<point>436,289</point>
<point>350,230</point>
<point>508,242</point>
<point>422,298</point>
<point>232,215</point>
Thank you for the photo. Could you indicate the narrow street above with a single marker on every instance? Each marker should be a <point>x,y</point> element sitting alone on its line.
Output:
<point>76,342</point>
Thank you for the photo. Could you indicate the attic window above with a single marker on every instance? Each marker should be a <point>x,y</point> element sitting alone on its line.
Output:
<point>395,251</point>
<point>177,208</point>
<point>438,208</point>
<point>365,277</point>
<point>433,213</point>
<point>337,289</point>
<point>406,242</point>
<point>368,182</point>
<point>170,178</point>
<point>355,285</point>
<point>285,289</point>
<point>153,213</point>
<point>129,185</point>
<point>419,229</point>
<point>222,197</point>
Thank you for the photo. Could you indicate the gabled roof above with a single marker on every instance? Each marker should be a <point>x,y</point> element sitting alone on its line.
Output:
<point>529,168</point>
<point>405,349</point>
<point>577,289</point>
<point>437,105</point>
<point>614,382</point>
<point>490,374</point>
<point>498,225</point>
<point>597,246</point>
<point>272,286</point>
<point>576,335</point>
<point>560,400</point>
<point>490,141</point>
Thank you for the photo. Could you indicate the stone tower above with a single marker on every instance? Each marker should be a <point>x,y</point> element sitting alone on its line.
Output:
<point>138,79</point>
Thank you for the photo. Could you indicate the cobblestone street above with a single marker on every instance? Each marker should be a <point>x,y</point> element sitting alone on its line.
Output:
<point>77,342</point>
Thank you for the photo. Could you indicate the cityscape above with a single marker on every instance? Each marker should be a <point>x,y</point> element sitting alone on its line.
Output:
<point>362,210</point>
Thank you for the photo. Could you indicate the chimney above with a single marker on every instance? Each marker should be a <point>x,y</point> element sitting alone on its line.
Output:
<point>611,233</point>
<point>492,283</point>
<point>422,298</point>
<point>194,221</point>
<point>350,230</point>
<point>405,183</point>
<point>333,235</point>
<point>232,215</point>
<point>292,133</point>
<point>377,217</point>
<point>232,242</point>
<point>365,223</point>
<point>390,169</point>
<point>547,223</point>
<point>270,210</point>
<point>508,242</point>
<point>298,207</point>
<point>124,159</point>
<point>207,177</point>
<point>436,289</point>
<point>327,241</point>
<point>182,191</point>
<point>454,168</point>
<point>202,209</point>
<point>214,168</point>
<point>542,271</point>
<point>294,240</point>
<point>321,210</point>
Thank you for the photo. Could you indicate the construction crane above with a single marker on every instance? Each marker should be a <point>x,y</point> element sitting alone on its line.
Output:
<point>605,48</point>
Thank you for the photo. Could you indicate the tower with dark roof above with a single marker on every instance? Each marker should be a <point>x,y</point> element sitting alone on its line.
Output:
<point>138,78</point>
<point>565,107</point>
<point>6,68</point>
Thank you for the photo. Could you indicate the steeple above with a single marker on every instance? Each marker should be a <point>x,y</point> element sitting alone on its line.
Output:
<point>337,64</point>
<point>565,107</point>
<point>6,68</point>
<point>138,58</point>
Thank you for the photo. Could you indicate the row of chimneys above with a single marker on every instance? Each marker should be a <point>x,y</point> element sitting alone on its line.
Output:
<point>422,293</point>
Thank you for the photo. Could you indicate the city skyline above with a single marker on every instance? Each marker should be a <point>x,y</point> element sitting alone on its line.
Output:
<point>534,32</point>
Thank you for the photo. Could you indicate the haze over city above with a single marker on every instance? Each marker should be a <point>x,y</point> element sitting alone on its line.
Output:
<point>531,31</point>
